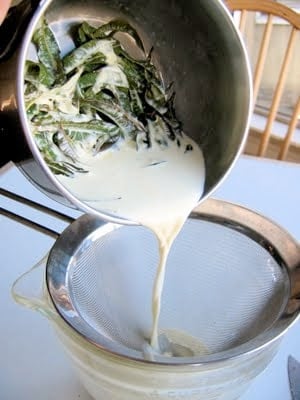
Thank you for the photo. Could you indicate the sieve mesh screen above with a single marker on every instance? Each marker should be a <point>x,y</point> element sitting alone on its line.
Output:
<point>221,286</point>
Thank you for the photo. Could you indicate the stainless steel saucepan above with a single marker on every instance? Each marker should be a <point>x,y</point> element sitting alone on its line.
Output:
<point>196,46</point>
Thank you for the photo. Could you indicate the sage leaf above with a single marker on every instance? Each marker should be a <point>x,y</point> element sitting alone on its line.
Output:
<point>117,26</point>
<point>86,53</point>
<point>37,74</point>
<point>128,124</point>
<point>96,95</point>
<point>48,53</point>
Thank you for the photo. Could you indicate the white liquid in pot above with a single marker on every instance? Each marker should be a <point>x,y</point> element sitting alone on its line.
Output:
<point>156,187</point>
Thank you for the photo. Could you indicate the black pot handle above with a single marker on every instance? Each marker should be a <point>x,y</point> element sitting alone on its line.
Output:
<point>12,145</point>
<point>14,25</point>
<point>5,147</point>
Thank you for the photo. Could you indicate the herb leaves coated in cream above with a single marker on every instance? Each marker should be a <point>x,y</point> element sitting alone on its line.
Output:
<point>106,126</point>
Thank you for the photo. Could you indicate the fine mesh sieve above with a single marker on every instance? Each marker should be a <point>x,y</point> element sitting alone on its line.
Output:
<point>231,285</point>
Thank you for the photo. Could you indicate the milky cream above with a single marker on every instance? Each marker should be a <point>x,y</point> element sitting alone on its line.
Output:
<point>97,95</point>
<point>156,187</point>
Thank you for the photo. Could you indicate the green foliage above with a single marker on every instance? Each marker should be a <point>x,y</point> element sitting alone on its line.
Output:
<point>96,95</point>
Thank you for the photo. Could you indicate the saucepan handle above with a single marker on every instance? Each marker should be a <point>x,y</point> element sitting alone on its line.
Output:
<point>12,146</point>
<point>5,146</point>
<point>14,25</point>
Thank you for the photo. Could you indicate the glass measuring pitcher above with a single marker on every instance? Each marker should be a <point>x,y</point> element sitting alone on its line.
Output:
<point>237,299</point>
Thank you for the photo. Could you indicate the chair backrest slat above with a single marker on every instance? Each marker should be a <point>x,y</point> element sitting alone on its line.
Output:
<point>278,93</point>
<point>243,20</point>
<point>266,6</point>
<point>272,9</point>
<point>261,60</point>
<point>288,138</point>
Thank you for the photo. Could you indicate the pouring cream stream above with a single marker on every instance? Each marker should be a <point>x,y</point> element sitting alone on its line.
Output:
<point>155,187</point>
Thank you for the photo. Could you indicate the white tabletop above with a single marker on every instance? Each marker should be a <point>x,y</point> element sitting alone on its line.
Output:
<point>32,364</point>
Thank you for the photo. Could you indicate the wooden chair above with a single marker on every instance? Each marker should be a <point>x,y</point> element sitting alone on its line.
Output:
<point>272,9</point>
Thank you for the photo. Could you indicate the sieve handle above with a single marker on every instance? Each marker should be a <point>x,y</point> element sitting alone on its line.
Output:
<point>37,206</point>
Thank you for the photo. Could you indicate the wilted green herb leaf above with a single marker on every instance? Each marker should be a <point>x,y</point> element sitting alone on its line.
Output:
<point>128,124</point>
<point>94,96</point>
<point>85,32</point>
<point>117,26</point>
<point>37,74</point>
<point>48,53</point>
<point>86,53</point>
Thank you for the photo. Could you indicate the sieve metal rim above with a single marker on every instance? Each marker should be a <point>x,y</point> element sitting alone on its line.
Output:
<point>279,243</point>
